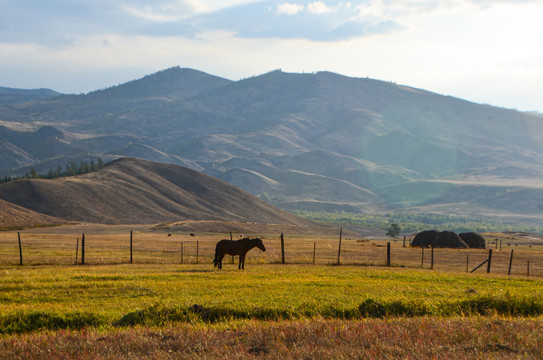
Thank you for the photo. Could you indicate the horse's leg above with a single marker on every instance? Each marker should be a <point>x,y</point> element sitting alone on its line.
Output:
<point>241,261</point>
<point>220,261</point>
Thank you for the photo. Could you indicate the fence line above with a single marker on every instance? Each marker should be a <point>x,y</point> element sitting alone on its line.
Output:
<point>150,248</point>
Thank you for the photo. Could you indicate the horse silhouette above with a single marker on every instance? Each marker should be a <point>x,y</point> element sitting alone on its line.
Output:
<point>236,247</point>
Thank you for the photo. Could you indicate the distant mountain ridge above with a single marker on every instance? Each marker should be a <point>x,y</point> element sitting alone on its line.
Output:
<point>319,141</point>
<point>14,96</point>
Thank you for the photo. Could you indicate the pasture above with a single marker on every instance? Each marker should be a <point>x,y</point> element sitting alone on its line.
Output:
<point>157,307</point>
<point>108,245</point>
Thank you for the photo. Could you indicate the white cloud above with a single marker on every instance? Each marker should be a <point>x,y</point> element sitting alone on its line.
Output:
<point>318,7</point>
<point>150,14</point>
<point>288,8</point>
<point>480,50</point>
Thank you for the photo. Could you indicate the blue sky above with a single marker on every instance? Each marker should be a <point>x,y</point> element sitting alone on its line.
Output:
<point>480,50</point>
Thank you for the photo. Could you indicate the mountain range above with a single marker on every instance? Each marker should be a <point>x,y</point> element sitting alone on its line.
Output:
<point>318,141</point>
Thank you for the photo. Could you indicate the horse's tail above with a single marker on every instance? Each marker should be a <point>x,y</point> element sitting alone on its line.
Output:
<point>215,261</point>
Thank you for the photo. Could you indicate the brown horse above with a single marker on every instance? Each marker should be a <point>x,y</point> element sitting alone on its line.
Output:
<point>235,247</point>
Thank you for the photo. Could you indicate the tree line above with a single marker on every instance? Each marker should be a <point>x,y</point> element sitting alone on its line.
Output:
<point>70,169</point>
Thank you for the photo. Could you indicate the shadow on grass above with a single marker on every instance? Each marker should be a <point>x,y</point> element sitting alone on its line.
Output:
<point>158,315</point>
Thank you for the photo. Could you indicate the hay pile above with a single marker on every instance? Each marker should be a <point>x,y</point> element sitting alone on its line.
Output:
<point>448,239</point>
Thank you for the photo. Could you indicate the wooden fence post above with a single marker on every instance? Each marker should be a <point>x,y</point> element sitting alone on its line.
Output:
<point>528,268</point>
<point>20,249</point>
<point>432,259</point>
<point>404,241</point>
<point>131,260</point>
<point>83,249</point>
<point>467,262</point>
<point>510,262</point>
<point>339,248</point>
<point>197,250</point>
<point>282,249</point>
<point>314,251</point>
<point>388,253</point>
<point>232,255</point>
<point>489,261</point>
<point>181,252</point>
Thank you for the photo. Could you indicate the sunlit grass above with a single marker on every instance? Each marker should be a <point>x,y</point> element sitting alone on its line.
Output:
<point>104,296</point>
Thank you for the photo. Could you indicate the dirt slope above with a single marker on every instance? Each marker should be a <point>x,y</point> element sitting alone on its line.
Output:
<point>134,191</point>
<point>14,216</point>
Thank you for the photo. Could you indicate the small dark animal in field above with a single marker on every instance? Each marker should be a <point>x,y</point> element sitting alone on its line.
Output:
<point>235,247</point>
<point>192,234</point>
<point>169,234</point>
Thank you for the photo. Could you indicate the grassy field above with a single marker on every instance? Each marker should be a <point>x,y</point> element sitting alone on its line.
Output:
<point>399,338</point>
<point>156,308</point>
<point>111,245</point>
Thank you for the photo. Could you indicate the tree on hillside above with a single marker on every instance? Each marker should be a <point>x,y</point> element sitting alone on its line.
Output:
<point>71,169</point>
<point>393,230</point>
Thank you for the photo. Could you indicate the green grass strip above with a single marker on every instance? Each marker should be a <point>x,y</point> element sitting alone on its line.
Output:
<point>158,315</point>
<point>477,306</point>
<point>36,321</point>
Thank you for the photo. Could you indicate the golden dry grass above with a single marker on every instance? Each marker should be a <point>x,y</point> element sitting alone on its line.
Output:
<point>418,338</point>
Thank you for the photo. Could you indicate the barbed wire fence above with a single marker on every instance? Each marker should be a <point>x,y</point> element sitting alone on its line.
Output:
<point>159,248</point>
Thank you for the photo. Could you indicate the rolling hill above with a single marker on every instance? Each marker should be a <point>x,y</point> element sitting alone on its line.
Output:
<point>135,191</point>
<point>318,141</point>
<point>13,217</point>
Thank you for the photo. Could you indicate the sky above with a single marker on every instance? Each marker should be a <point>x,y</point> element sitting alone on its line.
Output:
<point>485,51</point>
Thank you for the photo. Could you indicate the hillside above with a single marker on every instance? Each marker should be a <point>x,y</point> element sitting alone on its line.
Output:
<point>13,156</point>
<point>13,217</point>
<point>132,191</point>
<point>15,96</point>
<point>319,141</point>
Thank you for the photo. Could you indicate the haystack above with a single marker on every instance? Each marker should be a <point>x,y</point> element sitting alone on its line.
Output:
<point>425,238</point>
<point>473,240</point>
<point>449,239</point>
<point>444,239</point>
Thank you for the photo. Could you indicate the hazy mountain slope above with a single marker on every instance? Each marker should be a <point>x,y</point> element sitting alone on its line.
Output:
<point>12,156</point>
<point>99,112</point>
<point>15,96</point>
<point>304,141</point>
<point>42,144</point>
<point>149,153</point>
<point>138,191</point>
<point>172,84</point>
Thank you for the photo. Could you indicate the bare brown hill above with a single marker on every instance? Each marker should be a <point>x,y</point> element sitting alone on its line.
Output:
<point>13,216</point>
<point>134,191</point>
